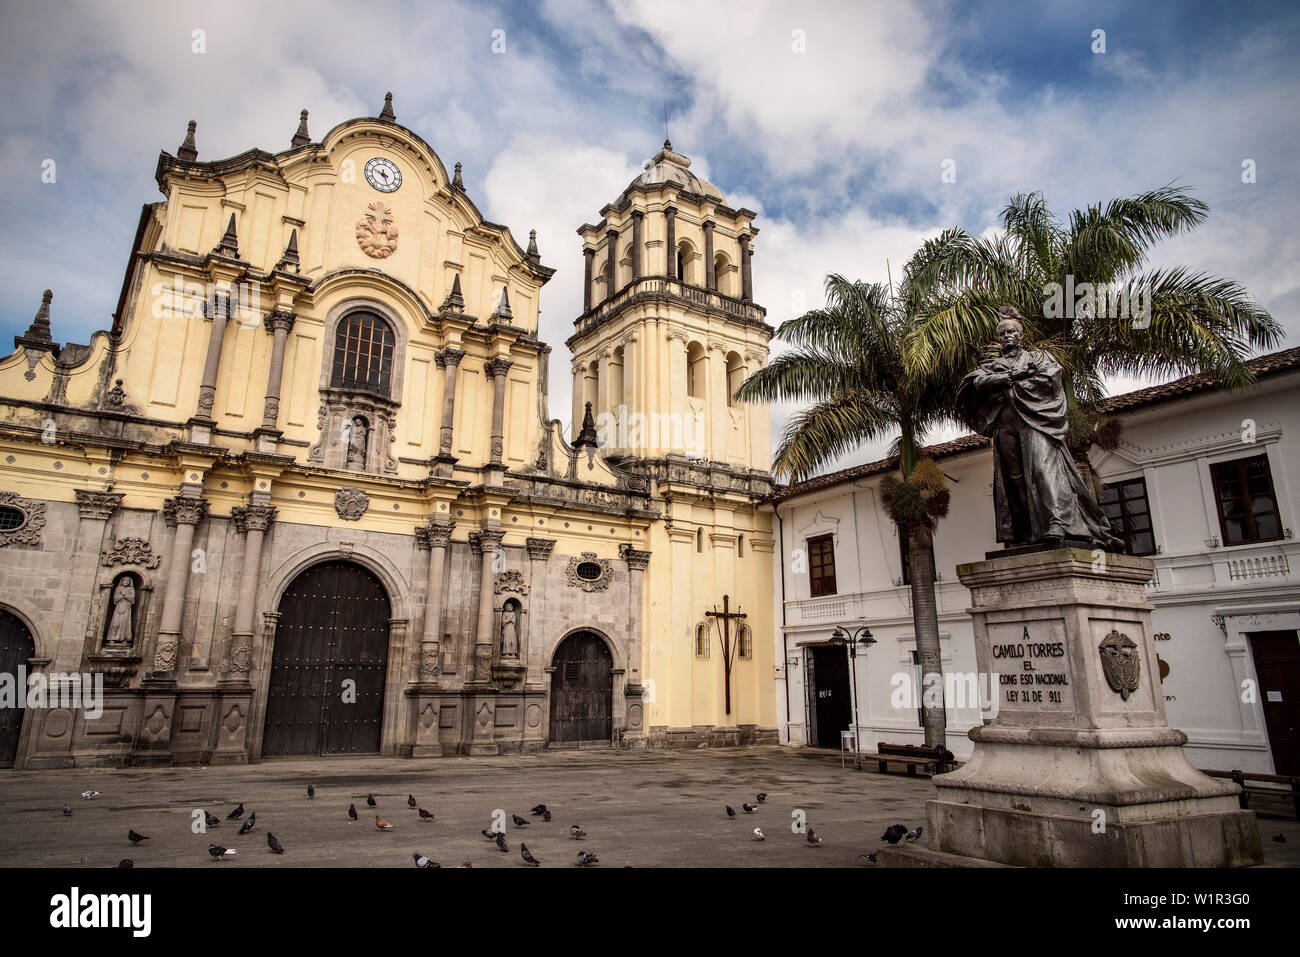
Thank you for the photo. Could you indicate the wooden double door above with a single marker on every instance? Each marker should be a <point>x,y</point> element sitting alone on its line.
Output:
<point>16,648</point>
<point>582,691</point>
<point>829,709</point>
<point>1277,665</point>
<point>326,690</point>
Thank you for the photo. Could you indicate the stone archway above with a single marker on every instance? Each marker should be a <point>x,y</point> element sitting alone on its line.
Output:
<point>325,692</point>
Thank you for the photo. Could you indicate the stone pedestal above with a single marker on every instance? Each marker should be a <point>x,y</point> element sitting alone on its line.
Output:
<point>1077,766</point>
<point>426,705</point>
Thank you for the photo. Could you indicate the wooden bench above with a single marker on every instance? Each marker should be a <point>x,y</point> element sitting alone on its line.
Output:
<point>1253,783</point>
<point>930,760</point>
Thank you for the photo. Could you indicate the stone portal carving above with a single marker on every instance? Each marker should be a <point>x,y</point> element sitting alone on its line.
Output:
<point>351,503</point>
<point>28,530</point>
<point>590,573</point>
<point>132,551</point>
<point>511,581</point>
<point>376,231</point>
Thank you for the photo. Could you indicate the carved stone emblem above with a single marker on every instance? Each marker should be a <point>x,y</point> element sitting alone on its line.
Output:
<point>590,573</point>
<point>1120,663</point>
<point>376,232</point>
<point>511,581</point>
<point>241,652</point>
<point>429,663</point>
<point>164,656</point>
<point>27,531</point>
<point>483,664</point>
<point>351,503</point>
<point>132,551</point>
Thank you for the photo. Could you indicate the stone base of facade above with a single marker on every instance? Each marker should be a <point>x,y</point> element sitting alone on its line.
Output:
<point>711,736</point>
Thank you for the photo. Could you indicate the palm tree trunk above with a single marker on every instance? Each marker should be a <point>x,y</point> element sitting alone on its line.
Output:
<point>925,624</point>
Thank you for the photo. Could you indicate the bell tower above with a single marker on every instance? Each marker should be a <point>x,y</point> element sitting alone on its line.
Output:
<point>669,327</point>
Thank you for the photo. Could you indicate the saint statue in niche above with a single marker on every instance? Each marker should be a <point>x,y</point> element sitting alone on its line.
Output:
<point>357,444</point>
<point>509,631</point>
<point>122,608</point>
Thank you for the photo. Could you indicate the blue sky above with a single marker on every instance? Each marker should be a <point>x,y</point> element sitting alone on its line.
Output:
<point>837,145</point>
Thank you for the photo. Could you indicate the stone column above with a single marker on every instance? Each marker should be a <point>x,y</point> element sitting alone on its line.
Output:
<point>671,213</point>
<point>633,694</point>
<point>253,521</point>
<point>710,279</point>
<point>435,537</point>
<point>612,254</point>
<point>186,512</point>
<point>278,323</point>
<point>497,368</point>
<point>637,254</point>
<point>448,359</point>
<point>219,308</point>
<point>488,541</point>
<point>530,652</point>
<point>589,257</point>
<point>746,276</point>
<point>95,508</point>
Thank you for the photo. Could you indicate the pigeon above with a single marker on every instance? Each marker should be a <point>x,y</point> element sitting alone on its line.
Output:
<point>382,824</point>
<point>411,802</point>
<point>248,825</point>
<point>311,792</point>
<point>1280,838</point>
<point>546,815</point>
<point>218,852</point>
<point>519,821</point>
<point>424,815</point>
<point>370,801</point>
<point>762,796</point>
<point>584,859</point>
<point>528,858</point>
<point>88,795</point>
<point>539,810</point>
<point>125,863</point>
<point>759,835</point>
<point>236,814</point>
<point>465,863</point>
<point>731,811</point>
<point>422,861</point>
<point>135,838</point>
<point>273,843</point>
<point>813,839</point>
<point>67,810</point>
<point>577,833</point>
<point>894,833</point>
<point>490,835</point>
<point>352,811</point>
<point>501,843</point>
<point>914,834</point>
<point>749,808</point>
<point>869,858</point>
<point>210,819</point>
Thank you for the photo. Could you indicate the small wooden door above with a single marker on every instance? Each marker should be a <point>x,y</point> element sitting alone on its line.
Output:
<point>16,648</point>
<point>1277,665</point>
<point>326,692</point>
<point>828,695</point>
<point>582,691</point>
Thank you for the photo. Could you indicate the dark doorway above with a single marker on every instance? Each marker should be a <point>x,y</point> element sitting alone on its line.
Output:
<point>333,630</point>
<point>16,649</point>
<point>1277,665</point>
<point>582,690</point>
<point>828,695</point>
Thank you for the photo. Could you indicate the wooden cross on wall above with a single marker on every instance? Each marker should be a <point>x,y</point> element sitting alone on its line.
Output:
<point>728,655</point>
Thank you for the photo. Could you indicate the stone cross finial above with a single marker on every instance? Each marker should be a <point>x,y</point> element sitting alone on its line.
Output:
<point>229,245</point>
<point>387,112</point>
<point>456,180</point>
<point>302,137</point>
<point>188,151</point>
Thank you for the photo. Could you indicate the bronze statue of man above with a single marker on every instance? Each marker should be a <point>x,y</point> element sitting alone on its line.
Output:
<point>1018,400</point>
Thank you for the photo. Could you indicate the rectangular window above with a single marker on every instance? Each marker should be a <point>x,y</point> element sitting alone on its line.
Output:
<point>905,554</point>
<point>821,565</point>
<point>1243,491</point>
<point>1129,512</point>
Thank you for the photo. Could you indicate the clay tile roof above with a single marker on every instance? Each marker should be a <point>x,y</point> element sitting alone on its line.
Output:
<point>1263,366</point>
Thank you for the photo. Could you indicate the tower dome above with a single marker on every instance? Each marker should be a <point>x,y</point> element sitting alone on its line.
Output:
<point>670,167</point>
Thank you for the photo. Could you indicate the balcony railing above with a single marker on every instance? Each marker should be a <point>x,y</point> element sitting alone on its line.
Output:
<point>661,286</point>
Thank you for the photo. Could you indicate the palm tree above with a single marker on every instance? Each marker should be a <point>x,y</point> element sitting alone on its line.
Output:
<point>849,363</point>
<point>1177,321</point>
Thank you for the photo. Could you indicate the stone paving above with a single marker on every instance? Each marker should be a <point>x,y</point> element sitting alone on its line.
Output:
<point>647,809</point>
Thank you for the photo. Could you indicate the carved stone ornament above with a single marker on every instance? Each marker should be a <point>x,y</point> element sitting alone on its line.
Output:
<point>376,231</point>
<point>132,551</point>
<point>241,653</point>
<point>184,510</point>
<point>1120,663</point>
<point>429,663</point>
<point>600,582</point>
<point>511,581</point>
<point>164,656</point>
<point>483,667</point>
<point>351,503</point>
<point>28,531</point>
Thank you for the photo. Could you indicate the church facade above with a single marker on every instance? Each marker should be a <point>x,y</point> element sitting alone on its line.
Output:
<point>305,495</point>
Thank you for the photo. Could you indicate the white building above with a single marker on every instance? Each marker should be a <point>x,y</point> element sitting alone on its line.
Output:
<point>1202,481</point>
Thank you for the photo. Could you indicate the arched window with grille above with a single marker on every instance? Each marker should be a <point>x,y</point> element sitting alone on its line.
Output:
<point>363,354</point>
<point>702,640</point>
<point>746,641</point>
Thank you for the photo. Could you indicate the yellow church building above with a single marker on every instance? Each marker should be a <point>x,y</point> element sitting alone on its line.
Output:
<point>305,495</point>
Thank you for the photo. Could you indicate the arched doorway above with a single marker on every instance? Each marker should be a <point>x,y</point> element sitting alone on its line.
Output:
<point>16,648</point>
<point>582,691</point>
<point>326,691</point>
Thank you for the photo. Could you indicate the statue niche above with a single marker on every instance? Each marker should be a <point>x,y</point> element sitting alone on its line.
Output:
<point>510,622</point>
<point>120,617</point>
<point>357,432</point>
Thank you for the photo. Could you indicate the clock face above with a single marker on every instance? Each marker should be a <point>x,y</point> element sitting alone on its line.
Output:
<point>383,174</point>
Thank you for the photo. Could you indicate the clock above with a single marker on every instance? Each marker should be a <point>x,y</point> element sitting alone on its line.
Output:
<point>383,174</point>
